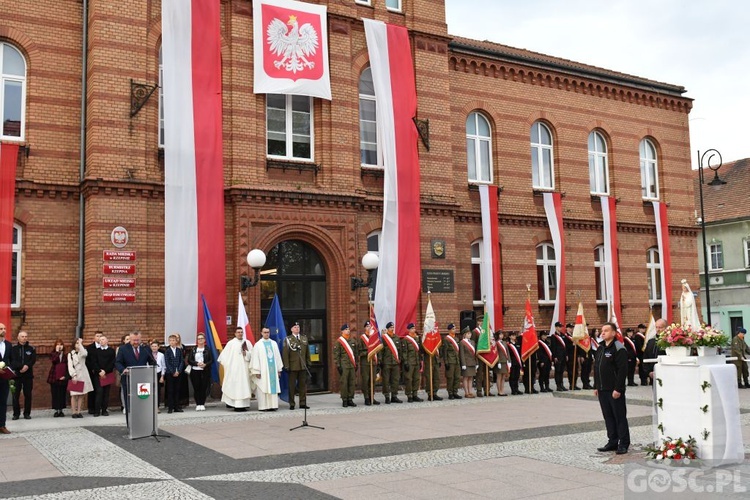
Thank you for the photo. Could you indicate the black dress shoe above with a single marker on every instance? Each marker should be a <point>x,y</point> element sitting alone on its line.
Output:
<point>450,396</point>
<point>417,399</point>
<point>291,407</point>
<point>344,404</point>
<point>27,417</point>
<point>304,407</point>
<point>395,399</point>
<point>375,402</point>
<point>368,402</point>
<point>95,414</point>
<point>105,413</point>
<point>438,398</point>
<point>178,410</point>
<point>608,447</point>
<point>351,403</point>
<point>621,450</point>
<point>456,396</point>
<point>16,417</point>
<point>170,410</point>
<point>534,391</point>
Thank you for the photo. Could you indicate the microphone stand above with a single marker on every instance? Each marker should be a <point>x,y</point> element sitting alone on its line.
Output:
<point>304,415</point>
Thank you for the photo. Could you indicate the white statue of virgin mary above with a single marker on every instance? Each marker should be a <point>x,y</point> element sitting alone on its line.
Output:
<point>688,311</point>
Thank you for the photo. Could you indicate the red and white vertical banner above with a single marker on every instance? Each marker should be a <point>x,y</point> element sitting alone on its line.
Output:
<point>8,159</point>
<point>397,293</point>
<point>662,238</point>
<point>290,42</point>
<point>244,322</point>
<point>553,209</point>
<point>611,259</point>
<point>194,257</point>
<point>491,279</point>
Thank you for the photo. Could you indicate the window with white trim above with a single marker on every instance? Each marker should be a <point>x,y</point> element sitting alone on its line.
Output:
<point>12,92</point>
<point>363,2</point>
<point>600,274</point>
<point>715,256</point>
<point>746,247</point>
<point>15,273</point>
<point>370,154</point>
<point>289,127</point>
<point>394,5</point>
<point>546,273</point>
<point>161,100</point>
<point>477,288</point>
<point>598,164</point>
<point>373,245</point>
<point>649,170</point>
<point>542,163</point>
<point>479,148</point>
<point>653,267</point>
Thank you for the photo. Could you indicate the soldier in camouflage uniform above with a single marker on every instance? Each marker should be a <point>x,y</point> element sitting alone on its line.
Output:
<point>449,352</point>
<point>411,358</point>
<point>345,360</point>
<point>390,365</point>
<point>364,365</point>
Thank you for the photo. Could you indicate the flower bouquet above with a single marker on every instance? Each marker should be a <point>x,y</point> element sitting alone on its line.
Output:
<point>676,335</point>
<point>679,450</point>
<point>707,336</point>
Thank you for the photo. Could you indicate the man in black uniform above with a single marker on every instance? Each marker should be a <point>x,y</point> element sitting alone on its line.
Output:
<point>529,372</point>
<point>610,372</point>
<point>588,362</point>
<point>514,353</point>
<point>574,358</point>
<point>639,339</point>
<point>652,351</point>
<point>93,368</point>
<point>632,351</point>
<point>544,359</point>
<point>559,356</point>
<point>23,359</point>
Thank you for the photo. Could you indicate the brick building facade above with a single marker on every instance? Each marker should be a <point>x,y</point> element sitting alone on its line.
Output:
<point>326,208</point>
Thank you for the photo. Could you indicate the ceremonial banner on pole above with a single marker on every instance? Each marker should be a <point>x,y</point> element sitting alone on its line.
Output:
<point>375,344</point>
<point>486,347</point>
<point>611,258</point>
<point>397,293</point>
<point>290,48</point>
<point>553,209</point>
<point>431,333</point>
<point>529,343</point>
<point>491,256</point>
<point>244,322</point>
<point>8,159</point>
<point>581,331</point>
<point>650,329</point>
<point>662,238</point>
<point>275,323</point>
<point>194,254</point>
<point>213,343</point>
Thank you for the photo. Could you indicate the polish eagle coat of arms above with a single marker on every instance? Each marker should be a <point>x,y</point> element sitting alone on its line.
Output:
<point>294,46</point>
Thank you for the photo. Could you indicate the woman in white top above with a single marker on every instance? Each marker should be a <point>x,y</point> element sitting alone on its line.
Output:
<point>200,360</point>
<point>161,367</point>
<point>78,372</point>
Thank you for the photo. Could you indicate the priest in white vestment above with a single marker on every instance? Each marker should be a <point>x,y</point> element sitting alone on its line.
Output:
<point>237,388</point>
<point>265,367</point>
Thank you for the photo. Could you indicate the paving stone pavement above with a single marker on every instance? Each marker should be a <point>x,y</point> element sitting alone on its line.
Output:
<point>526,447</point>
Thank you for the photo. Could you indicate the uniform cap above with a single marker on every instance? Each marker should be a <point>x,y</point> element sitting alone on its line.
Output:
<point>569,325</point>
<point>410,326</point>
<point>558,324</point>
<point>466,330</point>
<point>367,323</point>
<point>389,324</point>
<point>451,326</point>
<point>344,327</point>
<point>741,330</point>
<point>641,325</point>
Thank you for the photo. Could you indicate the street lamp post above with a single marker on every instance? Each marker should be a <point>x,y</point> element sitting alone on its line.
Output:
<point>370,262</point>
<point>256,259</point>
<point>708,156</point>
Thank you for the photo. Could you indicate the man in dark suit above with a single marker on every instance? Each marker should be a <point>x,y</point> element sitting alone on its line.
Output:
<point>175,365</point>
<point>5,357</point>
<point>129,355</point>
<point>23,360</point>
<point>105,361</point>
<point>93,368</point>
<point>560,356</point>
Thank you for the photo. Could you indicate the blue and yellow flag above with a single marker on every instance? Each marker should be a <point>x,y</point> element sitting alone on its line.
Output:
<point>213,342</point>
<point>275,323</point>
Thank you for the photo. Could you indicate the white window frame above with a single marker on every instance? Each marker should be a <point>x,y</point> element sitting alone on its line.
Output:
<point>399,3</point>
<point>654,275</point>
<point>378,148</point>
<point>537,150</point>
<point>482,173</point>
<point>161,101</point>
<point>746,246</point>
<point>549,268</point>
<point>13,78</point>
<point>364,2</point>
<point>289,156</point>
<point>18,255</point>
<point>600,268</point>
<point>598,165</point>
<point>649,167</point>
<point>715,248</point>
<point>479,244</point>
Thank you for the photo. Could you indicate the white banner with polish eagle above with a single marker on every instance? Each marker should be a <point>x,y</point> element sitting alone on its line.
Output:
<point>290,41</point>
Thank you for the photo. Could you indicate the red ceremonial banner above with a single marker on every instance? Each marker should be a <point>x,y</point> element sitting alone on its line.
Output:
<point>8,158</point>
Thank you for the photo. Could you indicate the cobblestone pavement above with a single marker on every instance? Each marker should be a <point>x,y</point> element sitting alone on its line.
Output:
<point>515,447</point>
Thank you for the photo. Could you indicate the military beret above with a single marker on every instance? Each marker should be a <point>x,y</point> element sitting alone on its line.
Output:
<point>389,324</point>
<point>741,330</point>
<point>410,326</point>
<point>367,323</point>
<point>451,326</point>
<point>344,327</point>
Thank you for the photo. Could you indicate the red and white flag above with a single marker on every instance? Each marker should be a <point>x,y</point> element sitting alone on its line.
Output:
<point>244,322</point>
<point>529,343</point>
<point>611,259</point>
<point>581,331</point>
<point>8,159</point>
<point>431,333</point>
<point>553,209</point>
<point>491,256</point>
<point>290,41</point>
<point>194,256</point>
<point>397,293</point>
<point>650,329</point>
<point>662,238</point>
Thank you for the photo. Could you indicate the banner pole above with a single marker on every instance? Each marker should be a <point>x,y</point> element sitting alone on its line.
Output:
<point>372,382</point>
<point>487,379</point>
<point>575,358</point>
<point>432,389</point>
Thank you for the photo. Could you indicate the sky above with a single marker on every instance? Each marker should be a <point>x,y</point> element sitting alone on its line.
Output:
<point>702,45</point>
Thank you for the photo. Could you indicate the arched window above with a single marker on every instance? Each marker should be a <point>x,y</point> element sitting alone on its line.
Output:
<point>161,100</point>
<point>598,165</point>
<point>478,148</point>
<point>542,163</point>
<point>600,275</point>
<point>12,92</point>
<point>373,245</point>
<point>546,272</point>
<point>477,290</point>
<point>653,266</point>
<point>369,152</point>
<point>15,273</point>
<point>649,171</point>
<point>289,127</point>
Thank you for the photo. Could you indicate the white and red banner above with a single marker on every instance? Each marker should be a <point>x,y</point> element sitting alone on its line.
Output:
<point>194,257</point>
<point>662,238</point>
<point>491,280</point>
<point>611,258</point>
<point>431,332</point>
<point>581,330</point>
<point>397,293</point>
<point>290,48</point>
<point>244,322</point>
<point>529,343</point>
<point>8,159</point>
<point>553,209</point>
